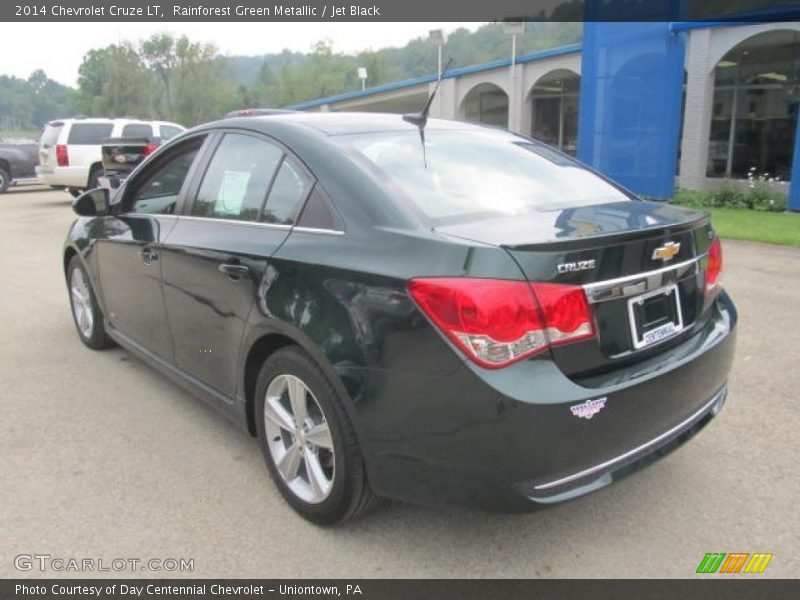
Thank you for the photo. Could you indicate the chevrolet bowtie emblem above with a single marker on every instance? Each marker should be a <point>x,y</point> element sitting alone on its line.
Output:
<point>667,251</point>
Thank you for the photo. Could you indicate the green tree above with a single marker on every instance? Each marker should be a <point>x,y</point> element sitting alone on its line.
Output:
<point>158,54</point>
<point>113,81</point>
<point>201,91</point>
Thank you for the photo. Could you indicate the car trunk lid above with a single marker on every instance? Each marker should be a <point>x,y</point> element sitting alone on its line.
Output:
<point>641,264</point>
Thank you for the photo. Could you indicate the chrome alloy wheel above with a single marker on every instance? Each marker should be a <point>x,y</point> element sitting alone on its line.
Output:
<point>81,303</point>
<point>299,439</point>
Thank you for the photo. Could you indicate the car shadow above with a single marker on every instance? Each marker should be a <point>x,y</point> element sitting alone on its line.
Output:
<point>32,189</point>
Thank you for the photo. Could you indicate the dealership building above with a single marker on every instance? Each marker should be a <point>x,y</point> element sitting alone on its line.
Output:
<point>652,105</point>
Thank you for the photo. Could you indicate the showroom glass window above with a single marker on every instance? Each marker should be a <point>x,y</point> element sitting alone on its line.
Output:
<point>754,111</point>
<point>554,119</point>
<point>486,103</point>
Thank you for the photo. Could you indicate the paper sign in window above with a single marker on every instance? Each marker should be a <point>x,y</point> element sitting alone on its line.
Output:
<point>232,192</point>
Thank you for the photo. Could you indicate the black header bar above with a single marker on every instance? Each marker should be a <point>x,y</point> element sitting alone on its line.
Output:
<point>700,588</point>
<point>396,10</point>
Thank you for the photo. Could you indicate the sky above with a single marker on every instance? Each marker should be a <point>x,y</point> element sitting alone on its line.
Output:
<point>44,45</point>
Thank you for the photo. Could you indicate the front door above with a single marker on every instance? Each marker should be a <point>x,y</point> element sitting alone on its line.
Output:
<point>129,249</point>
<point>217,256</point>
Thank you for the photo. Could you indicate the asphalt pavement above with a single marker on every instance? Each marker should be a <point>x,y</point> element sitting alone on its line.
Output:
<point>104,458</point>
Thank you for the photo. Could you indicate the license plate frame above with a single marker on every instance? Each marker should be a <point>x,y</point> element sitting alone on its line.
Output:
<point>644,337</point>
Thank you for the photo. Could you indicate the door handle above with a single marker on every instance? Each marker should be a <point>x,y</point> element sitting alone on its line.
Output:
<point>234,271</point>
<point>148,255</point>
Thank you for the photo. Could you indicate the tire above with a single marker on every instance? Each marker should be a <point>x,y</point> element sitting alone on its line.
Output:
<point>86,312</point>
<point>74,192</point>
<point>342,491</point>
<point>5,180</point>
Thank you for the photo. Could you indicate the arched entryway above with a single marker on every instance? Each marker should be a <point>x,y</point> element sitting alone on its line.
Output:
<point>486,103</point>
<point>754,112</point>
<point>554,106</point>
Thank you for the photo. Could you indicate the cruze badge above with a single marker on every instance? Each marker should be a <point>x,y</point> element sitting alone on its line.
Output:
<point>571,267</point>
<point>667,251</point>
<point>588,409</point>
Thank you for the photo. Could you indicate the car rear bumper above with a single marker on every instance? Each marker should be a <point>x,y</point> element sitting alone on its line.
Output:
<point>509,439</point>
<point>76,177</point>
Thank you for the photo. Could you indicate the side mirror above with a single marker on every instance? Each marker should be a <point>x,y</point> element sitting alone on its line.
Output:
<point>92,203</point>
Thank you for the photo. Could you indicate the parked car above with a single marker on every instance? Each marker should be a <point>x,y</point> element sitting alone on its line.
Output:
<point>70,149</point>
<point>18,160</point>
<point>465,316</point>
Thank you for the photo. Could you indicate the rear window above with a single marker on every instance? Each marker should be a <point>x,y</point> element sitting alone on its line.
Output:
<point>89,133</point>
<point>50,134</point>
<point>471,174</point>
<point>137,130</point>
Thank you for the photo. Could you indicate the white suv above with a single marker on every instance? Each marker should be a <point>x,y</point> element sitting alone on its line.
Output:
<point>70,155</point>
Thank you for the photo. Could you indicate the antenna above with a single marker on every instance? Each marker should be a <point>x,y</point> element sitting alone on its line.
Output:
<point>420,119</point>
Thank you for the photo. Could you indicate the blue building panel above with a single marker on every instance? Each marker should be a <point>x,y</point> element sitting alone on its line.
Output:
<point>630,109</point>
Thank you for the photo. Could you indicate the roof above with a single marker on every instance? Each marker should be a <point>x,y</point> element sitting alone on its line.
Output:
<point>343,123</point>
<point>460,72</point>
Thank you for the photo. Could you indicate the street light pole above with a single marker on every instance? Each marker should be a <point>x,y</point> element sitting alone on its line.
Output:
<point>513,28</point>
<point>437,37</point>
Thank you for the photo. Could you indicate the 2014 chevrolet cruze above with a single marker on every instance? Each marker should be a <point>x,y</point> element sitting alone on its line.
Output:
<point>435,312</point>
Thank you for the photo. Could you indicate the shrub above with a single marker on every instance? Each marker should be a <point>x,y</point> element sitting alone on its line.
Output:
<point>759,194</point>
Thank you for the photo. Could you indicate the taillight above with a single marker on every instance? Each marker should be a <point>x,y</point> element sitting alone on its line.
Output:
<point>62,156</point>
<point>149,149</point>
<point>714,268</point>
<point>566,311</point>
<point>498,322</point>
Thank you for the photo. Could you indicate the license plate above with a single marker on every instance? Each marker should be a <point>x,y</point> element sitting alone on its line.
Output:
<point>659,333</point>
<point>655,316</point>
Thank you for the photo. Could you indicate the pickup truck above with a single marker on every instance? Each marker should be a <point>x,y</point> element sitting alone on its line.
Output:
<point>123,155</point>
<point>18,160</point>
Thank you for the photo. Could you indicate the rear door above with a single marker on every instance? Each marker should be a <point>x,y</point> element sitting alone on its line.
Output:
<point>47,146</point>
<point>130,246</point>
<point>245,202</point>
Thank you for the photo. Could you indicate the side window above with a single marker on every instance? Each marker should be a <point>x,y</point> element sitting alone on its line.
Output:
<point>237,179</point>
<point>168,131</point>
<point>287,193</point>
<point>319,214</point>
<point>160,187</point>
<point>137,130</point>
<point>89,134</point>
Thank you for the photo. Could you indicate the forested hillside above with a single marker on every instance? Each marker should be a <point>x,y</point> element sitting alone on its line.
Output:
<point>190,81</point>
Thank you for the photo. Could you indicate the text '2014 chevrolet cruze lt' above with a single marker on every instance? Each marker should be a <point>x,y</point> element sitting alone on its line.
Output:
<point>417,309</point>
